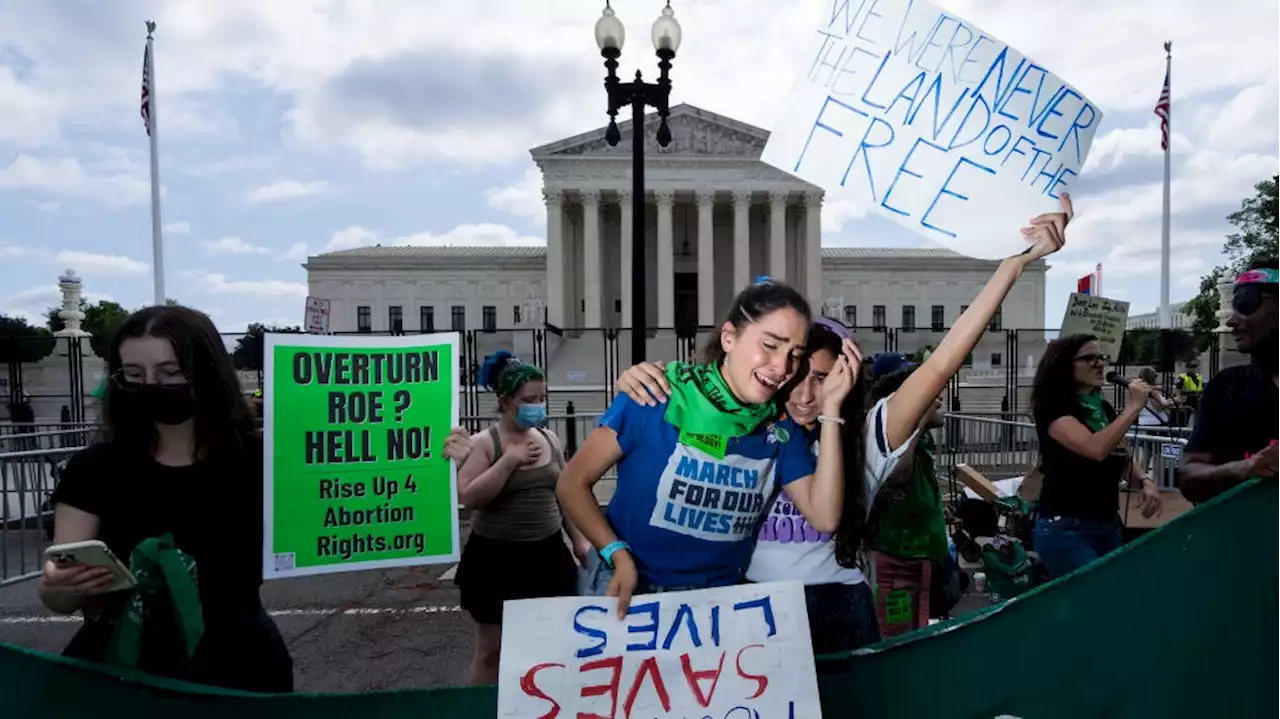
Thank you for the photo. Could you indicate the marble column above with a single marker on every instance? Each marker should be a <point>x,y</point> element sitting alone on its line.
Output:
<point>591,279</point>
<point>554,200</point>
<point>706,259</point>
<point>813,247</point>
<point>741,240</point>
<point>666,261</point>
<point>625,249</point>
<point>778,234</point>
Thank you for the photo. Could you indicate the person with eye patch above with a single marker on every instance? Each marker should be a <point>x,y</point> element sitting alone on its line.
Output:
<point>1235,437</point>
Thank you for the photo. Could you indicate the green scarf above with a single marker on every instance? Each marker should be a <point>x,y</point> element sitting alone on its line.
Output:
<point>1097,417</point>
<point>702,404</point>
<point>165,591</point>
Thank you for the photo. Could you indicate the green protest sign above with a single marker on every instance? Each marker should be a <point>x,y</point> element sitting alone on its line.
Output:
<point>355,475</point>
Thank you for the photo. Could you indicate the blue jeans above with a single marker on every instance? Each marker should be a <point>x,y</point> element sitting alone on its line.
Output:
<point>1065,544</point>
<point>842,617</point>
<point>594,578</point>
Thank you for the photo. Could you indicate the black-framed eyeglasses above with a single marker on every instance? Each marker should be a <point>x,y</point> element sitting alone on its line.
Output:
<point>1247,299</point>
<point>132,379</point>
<point>1094,359</point>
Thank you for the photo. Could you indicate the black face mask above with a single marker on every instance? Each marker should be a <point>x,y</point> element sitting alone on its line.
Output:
<point>164,405</point>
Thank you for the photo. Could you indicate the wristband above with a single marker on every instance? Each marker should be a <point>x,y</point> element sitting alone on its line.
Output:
<point>611,549</point>
<point>828,418</point>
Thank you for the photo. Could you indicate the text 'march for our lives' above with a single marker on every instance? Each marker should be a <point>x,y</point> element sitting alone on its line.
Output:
<point>355,472</point>
<point>926,119</point>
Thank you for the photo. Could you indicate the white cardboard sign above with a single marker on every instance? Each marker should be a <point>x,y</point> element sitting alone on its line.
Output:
<point>727,652</point>
<point>921,116</point>
<point>1098,316</point>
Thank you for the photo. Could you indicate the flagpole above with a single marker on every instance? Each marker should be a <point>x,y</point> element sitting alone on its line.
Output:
<point>157,235</point>
<point>1166,320</point>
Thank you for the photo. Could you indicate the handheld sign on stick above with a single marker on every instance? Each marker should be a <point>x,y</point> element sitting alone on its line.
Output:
<point>931,122</point>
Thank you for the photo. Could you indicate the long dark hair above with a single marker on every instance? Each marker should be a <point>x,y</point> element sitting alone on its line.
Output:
<point>223,417</point>
<point>763,298</point>
<point>1054,390</point>
<point>853,518</point>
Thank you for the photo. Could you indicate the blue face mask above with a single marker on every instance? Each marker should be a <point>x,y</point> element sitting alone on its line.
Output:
<point>531,415</point>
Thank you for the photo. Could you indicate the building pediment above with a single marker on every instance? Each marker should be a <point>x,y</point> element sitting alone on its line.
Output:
<point>695,133</point>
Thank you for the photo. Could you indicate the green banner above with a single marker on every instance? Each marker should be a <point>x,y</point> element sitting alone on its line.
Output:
<point>355,474</point>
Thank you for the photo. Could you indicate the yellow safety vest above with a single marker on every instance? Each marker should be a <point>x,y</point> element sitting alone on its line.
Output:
<point>1191,384</point>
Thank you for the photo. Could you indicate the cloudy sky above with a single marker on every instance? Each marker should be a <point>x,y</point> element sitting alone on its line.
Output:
<point>297,126</point>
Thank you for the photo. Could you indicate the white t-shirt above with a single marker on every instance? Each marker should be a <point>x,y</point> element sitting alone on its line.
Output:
<point>789,549</point>
<point>1152,415</point>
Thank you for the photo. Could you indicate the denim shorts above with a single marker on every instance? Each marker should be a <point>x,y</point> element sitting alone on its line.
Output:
<point>595,575</point>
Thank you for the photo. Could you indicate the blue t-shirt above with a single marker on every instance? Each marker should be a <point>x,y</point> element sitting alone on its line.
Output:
<point>690,517</point>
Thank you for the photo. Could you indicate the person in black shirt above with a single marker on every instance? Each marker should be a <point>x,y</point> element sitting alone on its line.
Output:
<point>1235,434</point>
<point>1083,456</point>
<point>181,457</point>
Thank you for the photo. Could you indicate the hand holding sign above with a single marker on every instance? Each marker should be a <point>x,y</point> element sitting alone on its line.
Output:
<point>1049,231</point>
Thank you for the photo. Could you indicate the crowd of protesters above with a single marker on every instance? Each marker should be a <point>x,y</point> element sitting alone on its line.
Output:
<point>847,501</point>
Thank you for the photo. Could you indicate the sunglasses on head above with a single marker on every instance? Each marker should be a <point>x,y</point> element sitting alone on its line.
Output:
<point>1247,299</point>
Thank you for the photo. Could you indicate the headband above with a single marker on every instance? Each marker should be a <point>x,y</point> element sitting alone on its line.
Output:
<point>1260,276</point>
<point>836,328</point>
<point>514,376</point>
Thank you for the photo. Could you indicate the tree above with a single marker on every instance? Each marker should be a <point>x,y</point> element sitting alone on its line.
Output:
<point>22,342</point>
<point>248,354</point>
<point>101,320</point>
<point>1255,239</point>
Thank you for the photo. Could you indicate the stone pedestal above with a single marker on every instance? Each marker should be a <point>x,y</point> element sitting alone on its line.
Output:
<point>1228,355</point>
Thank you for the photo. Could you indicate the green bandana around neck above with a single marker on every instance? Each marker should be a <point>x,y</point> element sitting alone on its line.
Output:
<point>165,592</point>
<point>1096,419</point>
<point>702,404</point>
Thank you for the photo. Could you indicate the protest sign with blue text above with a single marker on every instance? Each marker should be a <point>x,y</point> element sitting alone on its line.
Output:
<point>918,114</point>
<point>723,653</point>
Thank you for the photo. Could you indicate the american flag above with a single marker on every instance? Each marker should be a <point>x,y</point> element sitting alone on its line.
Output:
<point>1162,112</point>
<point>146,88</point>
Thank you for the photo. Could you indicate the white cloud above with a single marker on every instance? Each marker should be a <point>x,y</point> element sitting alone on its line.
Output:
<point>100,264</point>
<point>350,238</point>
<point>233,246</point>
<point>287,190</point>
<point>215,283</point>
<point>522,198</point>
<point>177,228</point>
<point>67,176</point>
<point>837,213</point>
<point>297,252</point>
<point>14,252</point>
<point>484,233</point>
<point>33,303</point>
<point>30,115</point>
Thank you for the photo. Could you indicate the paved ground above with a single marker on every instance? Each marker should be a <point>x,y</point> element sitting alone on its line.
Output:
<point>347,632</point>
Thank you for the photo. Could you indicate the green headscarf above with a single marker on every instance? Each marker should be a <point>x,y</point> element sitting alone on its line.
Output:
<point>165,592</point>
<point>1096,419</point>
<point>702,404</point>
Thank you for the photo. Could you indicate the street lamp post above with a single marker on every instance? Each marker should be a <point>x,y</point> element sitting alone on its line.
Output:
<point>638,94</point>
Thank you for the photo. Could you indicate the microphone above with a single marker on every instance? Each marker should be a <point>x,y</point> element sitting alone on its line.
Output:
<point>1117,378</point>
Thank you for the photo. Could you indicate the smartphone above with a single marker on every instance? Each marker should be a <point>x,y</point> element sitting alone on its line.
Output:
<point>92,553</point>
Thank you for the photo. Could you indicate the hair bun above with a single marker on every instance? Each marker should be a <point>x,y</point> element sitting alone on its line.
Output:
<point>492,367</point>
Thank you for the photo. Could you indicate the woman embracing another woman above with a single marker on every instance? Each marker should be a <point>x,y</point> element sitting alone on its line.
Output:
<point>697,474</point>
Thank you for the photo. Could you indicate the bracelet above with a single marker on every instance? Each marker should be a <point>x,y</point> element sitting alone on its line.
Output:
<point>828,418</point>
<point>611,549</point>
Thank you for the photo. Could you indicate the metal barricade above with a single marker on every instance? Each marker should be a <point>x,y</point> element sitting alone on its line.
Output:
<point>27,480</point>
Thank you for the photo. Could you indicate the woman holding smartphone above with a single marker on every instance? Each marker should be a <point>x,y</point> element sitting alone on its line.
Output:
<point>181,457</point>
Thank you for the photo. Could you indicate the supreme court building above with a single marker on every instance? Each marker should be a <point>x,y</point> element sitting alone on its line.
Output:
<point>716,218</point>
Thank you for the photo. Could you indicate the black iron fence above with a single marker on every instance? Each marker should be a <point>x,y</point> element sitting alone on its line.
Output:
<point>46,379</point>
